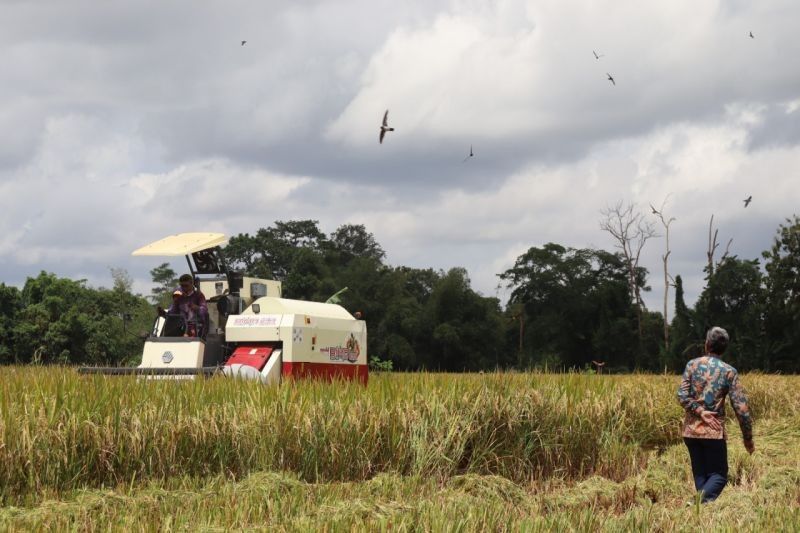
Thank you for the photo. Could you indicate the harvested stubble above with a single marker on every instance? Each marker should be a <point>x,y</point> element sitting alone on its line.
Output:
<point>651,500</point>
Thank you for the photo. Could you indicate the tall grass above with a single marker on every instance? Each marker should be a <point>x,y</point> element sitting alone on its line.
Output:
<point>60,431</point>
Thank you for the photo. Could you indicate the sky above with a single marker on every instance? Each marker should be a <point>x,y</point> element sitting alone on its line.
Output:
<point>127,121</point>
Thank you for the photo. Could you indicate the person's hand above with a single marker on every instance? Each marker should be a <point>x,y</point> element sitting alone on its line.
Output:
<point>750,446</point>
<point>710,418</point>
<point>194,307</point>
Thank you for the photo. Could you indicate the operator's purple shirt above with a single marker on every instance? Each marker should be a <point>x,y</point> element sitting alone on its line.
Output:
<point>183,305</point>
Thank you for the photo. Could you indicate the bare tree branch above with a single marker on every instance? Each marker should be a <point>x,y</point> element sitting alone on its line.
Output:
<point>631,231</point>
<point>712,246</point>
<point>665,258</point>
<point>725,255</point>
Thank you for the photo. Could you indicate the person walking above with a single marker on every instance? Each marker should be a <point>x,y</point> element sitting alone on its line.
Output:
<point>706,381</point>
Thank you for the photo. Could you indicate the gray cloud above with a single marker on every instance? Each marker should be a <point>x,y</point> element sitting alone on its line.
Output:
<point>140,119</point>
<point>779,125</point>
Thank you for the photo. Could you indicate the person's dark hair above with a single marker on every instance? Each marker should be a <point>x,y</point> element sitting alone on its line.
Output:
<point>717,340</point>
<point>185,278</point>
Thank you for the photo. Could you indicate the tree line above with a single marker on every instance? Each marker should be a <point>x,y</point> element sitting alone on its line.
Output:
<point>567,306</point>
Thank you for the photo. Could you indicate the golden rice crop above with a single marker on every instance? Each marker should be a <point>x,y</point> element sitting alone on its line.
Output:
<point>410,452</point>
<point>60,431</point>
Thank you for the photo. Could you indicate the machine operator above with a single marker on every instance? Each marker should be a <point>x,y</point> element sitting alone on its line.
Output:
<point>190,304</point>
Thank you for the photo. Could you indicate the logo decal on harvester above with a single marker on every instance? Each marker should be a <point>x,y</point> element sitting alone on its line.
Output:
<point>349,352</point>
<point>297,335</point>
<point>256,321</point>
<point>167,357</point>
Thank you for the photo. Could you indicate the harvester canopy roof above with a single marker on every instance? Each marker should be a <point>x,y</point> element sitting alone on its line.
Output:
<point>182,244</point>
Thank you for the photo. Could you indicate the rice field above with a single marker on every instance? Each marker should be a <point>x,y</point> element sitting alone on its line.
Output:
<point>505,451</point>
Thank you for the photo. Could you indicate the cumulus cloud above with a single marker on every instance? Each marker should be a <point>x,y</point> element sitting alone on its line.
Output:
<point>528,77</point>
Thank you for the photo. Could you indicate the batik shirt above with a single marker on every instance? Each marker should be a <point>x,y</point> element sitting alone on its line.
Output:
<point>705,383</point>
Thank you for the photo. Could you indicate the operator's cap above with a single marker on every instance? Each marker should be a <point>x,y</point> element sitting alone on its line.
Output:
<point>177,293</point>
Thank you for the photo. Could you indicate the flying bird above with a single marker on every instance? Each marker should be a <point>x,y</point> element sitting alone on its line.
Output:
<point>385,126</point>
<point>470,153</point>
<point>611,78</point>
<point>244,42</point>
<point>752,36</point>
<point>654,209</point>
<point>597,56</point>
<point>748,200</point>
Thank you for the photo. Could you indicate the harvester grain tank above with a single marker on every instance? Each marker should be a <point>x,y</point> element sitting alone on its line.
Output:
<point>252,332</point>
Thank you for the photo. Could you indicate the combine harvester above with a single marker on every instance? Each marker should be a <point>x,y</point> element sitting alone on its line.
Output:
<point>252,331</point>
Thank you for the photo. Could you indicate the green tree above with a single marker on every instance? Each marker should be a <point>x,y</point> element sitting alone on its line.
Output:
<point>307,277</point>
<point>165,279</point>
<point>686,339</point>
<point>10,305</point>
<point>577,306</point>
<point>271,252</point>
<point>734,299</point>
<point>782,308</point>
<point>353,240</point>
<point>122,280</point>
<point>466,329</point>
<point>64,321</point>
<point>394,303</point>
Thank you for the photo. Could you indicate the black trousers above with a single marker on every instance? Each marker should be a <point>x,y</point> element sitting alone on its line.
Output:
<point>709,466</point>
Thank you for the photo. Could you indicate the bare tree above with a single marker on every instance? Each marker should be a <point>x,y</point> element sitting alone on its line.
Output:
<point>712,247</point>
<point>665,258</point>
<point>631,231</point>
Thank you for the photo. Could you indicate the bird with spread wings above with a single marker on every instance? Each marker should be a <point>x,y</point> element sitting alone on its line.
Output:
<point>384,127</point>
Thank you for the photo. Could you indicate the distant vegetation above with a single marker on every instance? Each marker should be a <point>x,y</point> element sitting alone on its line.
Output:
<point>568,307</point>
